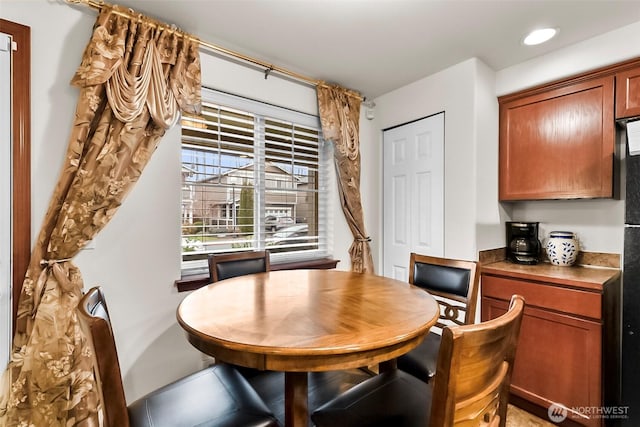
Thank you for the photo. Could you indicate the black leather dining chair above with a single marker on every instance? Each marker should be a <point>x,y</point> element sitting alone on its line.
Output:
<point>454,284</point>
<point>216,396</point>
<point>228,265</point>
<point>470,388</point>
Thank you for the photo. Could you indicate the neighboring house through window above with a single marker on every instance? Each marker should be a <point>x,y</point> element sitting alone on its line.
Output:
<point>253,177</point>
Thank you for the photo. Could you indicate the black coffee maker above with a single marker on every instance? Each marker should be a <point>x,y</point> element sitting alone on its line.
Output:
<point>523,246</point>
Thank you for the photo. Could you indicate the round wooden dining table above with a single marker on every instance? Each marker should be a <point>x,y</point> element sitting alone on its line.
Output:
<point>299,321</point>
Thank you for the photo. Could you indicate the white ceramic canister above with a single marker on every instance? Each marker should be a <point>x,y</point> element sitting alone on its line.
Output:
<point>562,248</point>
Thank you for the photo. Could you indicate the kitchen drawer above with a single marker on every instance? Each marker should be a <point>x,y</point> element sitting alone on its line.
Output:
<point>566,300</point>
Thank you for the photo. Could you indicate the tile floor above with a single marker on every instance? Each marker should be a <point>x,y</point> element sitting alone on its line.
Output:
<point>517,417</point>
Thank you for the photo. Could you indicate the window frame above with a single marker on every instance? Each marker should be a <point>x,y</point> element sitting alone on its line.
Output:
<point>262,111</point>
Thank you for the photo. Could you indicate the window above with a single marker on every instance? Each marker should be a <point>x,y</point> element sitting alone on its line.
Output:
<point>253,177</point>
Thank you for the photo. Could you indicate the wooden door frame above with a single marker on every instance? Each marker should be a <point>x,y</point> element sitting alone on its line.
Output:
<point>21,128</point>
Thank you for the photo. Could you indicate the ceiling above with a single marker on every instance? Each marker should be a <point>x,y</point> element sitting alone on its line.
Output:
<point>375,46</point>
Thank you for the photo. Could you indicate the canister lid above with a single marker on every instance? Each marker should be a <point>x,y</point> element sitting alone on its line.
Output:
<point>562,234</point>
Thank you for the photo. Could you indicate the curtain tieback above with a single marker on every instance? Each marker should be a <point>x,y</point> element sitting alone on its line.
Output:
<point>364,239</point>
<point>52,262</point>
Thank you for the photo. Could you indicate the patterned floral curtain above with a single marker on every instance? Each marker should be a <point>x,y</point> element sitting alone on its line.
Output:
<point>340,118</point>
<point>134,79</point>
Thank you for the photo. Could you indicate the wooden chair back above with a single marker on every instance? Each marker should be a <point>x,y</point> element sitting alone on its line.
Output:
<point>94,320</point>
<point>228,265</point>
<point>454,283</point>
<point>474,371</point>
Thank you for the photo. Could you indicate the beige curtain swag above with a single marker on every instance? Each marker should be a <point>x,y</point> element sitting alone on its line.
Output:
<point>134,79</point>
<point>340,118</point>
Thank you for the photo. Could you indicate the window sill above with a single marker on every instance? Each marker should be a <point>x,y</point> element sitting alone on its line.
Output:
<point>195,281</point>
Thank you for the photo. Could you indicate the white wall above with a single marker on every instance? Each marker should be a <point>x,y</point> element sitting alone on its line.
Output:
<point>136,258</point>
<point>468,92</point>
<point>606,49</point>
<point>598,223</point>
<point>452,91</point>
<point>140,289</point>
<point>490,213</point>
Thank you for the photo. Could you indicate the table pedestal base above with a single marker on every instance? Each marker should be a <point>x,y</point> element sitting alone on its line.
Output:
<point>296,409</point>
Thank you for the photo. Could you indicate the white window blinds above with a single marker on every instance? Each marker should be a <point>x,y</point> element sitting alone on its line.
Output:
<point>253,177</point>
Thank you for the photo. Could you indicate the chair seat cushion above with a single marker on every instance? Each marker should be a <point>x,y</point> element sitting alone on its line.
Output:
<point>217,396</point>
<point>391,399</point>
<point>421,362</point>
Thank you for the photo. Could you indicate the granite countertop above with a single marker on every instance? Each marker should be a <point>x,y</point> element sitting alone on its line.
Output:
<point>602,269</point>
<point>580,276</point>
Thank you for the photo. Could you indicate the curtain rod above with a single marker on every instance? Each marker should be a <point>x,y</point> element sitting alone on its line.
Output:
<point>98,4</point>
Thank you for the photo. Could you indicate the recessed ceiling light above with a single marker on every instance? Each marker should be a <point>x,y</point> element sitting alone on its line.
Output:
<point>539,36</point>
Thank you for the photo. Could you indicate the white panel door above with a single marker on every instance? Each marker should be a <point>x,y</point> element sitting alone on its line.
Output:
<point>5,198</point>
<point>413,199</point>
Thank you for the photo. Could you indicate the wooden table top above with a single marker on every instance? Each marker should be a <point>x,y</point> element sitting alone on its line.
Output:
<point>304,320</point>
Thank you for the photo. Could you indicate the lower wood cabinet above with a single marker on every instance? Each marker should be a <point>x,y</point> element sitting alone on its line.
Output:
<point>567,350</point>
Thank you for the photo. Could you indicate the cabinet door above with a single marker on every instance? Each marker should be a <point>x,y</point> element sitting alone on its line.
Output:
<point>628,93</point>
<point>558,144</point>
<point>558,359</point>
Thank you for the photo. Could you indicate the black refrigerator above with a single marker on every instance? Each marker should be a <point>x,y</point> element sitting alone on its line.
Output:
<point>631,295</point>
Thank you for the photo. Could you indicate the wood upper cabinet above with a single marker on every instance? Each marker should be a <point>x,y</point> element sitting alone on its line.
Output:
<point>628,93</point>
<point>558,142</point>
